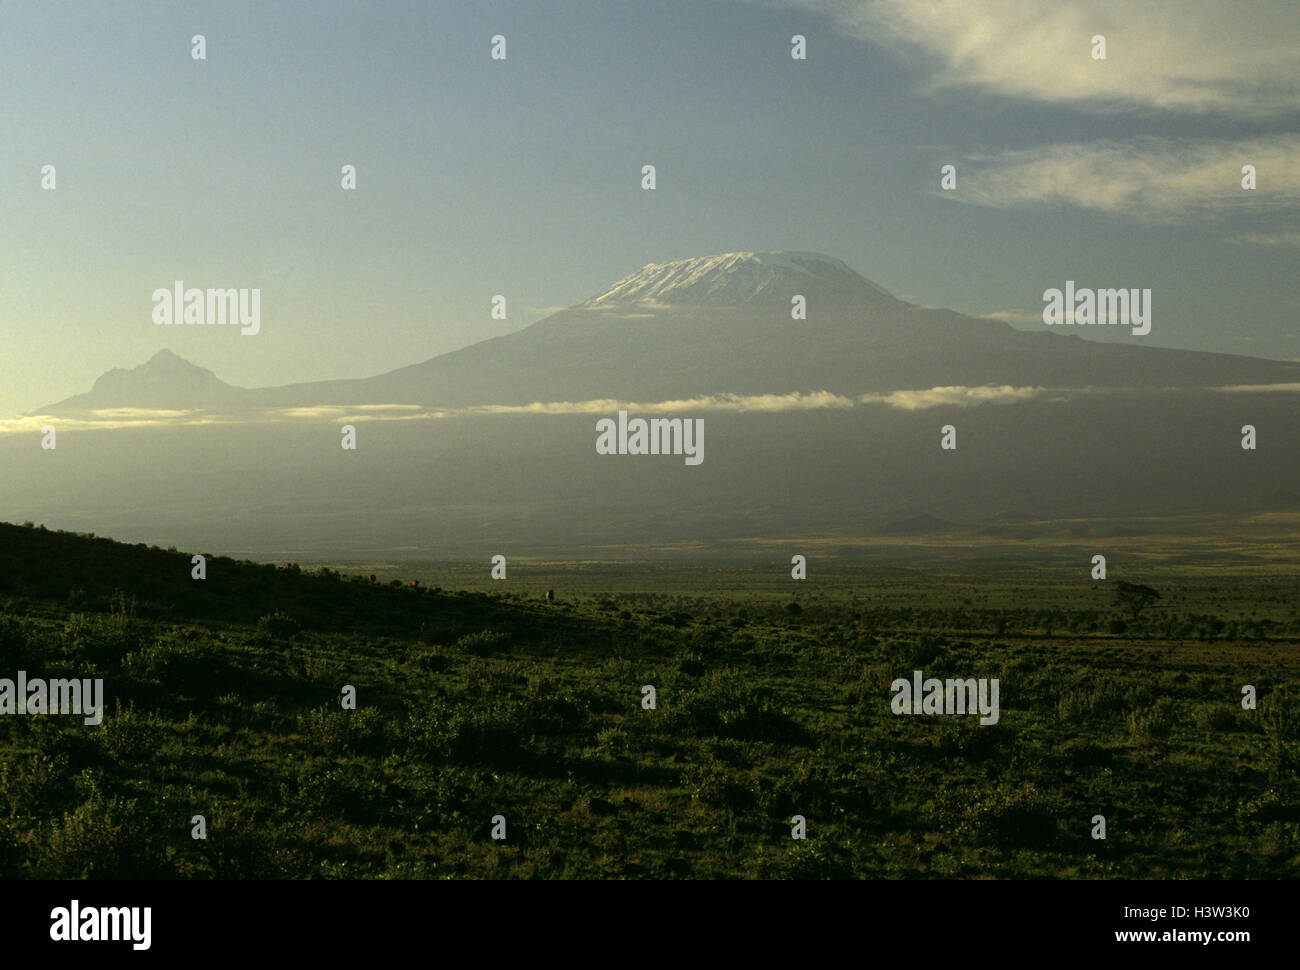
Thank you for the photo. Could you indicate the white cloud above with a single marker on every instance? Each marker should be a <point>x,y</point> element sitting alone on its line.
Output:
<point>332,412</point>
<point>1257,388</point>
<point>953,396</point>
<point>904,400</point>
<point>794,401</point>
<point>1014,317</point>
<point>1267,239</point>
<point>107,418</point>
<point>1149,178</point>
<point>1227,58</point>
<point>543,311</point>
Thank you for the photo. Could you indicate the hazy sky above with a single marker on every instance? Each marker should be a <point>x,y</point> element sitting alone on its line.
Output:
<point>522,177</point>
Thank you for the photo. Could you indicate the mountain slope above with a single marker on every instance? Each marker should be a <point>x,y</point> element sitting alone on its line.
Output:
<point>742,279</point>
<point>164,381</point>
<point>718,325</point>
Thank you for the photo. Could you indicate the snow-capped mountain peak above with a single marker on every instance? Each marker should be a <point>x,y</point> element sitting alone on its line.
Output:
<point>739,279</point>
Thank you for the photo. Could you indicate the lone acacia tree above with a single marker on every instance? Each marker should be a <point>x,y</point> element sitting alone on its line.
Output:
<point>1135,597</point>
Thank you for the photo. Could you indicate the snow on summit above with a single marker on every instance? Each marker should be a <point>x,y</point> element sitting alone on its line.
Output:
<point>737,279</point>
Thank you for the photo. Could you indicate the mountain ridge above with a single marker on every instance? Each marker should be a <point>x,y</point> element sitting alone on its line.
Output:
<point>713,325</point>
<point>740,279</point>
<point>165,381</point>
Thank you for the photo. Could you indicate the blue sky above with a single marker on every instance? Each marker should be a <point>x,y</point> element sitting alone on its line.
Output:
<point>522,177</point>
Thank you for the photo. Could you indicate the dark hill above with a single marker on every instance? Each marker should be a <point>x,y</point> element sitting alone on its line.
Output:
<point>67,571</point>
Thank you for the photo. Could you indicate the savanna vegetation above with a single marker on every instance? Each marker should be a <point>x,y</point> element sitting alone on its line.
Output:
<point>223,700</point>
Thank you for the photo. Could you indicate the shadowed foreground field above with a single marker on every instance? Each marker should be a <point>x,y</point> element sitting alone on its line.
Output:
<point>223,700</point>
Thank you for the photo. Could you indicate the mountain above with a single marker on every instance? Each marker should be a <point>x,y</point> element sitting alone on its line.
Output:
<point>742,279</point>
<point>165,381</point>
<point>717,325</point>
<point>1087,433</point>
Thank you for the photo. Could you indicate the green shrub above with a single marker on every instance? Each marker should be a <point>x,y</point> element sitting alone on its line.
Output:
<point>806,859</point>
<point>131,737</point>
<point>707,783</point>
<point>924,652</point>
<point>1279,715</point>
<point>967,739</point>
<point>428,731</point>
<point>99,638</point>
<point>804,789</point>
<point>340,791</point>
<point>278,625</point>
<point>1153,724</point>
<point>484,643</point>
<point>333,730</point>
<point>12,852</point>
<point>1215,717</point>
<point>181,660</point>
<point>493,732</point>
<point>16,636</point>
<point>432,660</point>
<point>1268,807</point>
<point>103,839</point>
<point>37,785</point>
<point>1019,815</point>
<point>727,704</point>
<point>482,675</point>
<point>613,742</point>
<point>1081,753</point>
<point>1100,699</point>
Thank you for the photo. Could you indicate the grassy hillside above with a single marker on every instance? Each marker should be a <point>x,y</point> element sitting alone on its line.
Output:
<point>224,701</point>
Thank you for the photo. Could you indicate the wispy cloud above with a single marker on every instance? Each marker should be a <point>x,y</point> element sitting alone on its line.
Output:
<point>542,311</point>
<point>1149,178</point>
<point>110,418</point>
<point>1187,57</point>
<point>908,400</point>
<point>1258,388</point>
<point>1266,239</point>
<point>333,411</point>
<point>902,400</point>
<point>1014,316</point>
<point>954,396</point>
